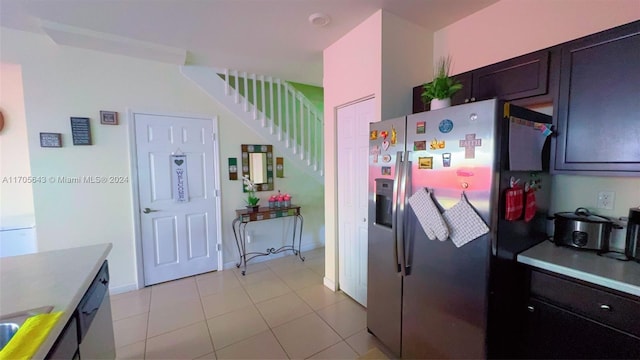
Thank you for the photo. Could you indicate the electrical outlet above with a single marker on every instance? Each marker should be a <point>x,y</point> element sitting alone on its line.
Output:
<point>606,200</point>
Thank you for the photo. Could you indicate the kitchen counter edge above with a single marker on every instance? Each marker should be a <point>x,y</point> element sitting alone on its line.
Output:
<point>623,276</point>
<point>95,254</point>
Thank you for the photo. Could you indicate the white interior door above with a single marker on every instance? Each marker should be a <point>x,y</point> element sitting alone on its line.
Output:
<point>353,156</point>
<point>179,239</point>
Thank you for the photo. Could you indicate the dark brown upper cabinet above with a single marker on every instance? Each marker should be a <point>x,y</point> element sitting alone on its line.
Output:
<point>517,78</point>
<point>525,76</point>
<point>598,108</point>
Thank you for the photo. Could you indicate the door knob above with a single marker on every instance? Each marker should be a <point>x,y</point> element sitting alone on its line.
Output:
<point>147,210</point>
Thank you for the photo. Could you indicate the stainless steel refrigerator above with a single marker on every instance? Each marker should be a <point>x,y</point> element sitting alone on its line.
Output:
<point>429,298</point>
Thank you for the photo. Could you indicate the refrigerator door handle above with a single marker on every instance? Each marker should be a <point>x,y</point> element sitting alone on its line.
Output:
<point>394,210</point>
<point>404,182</point>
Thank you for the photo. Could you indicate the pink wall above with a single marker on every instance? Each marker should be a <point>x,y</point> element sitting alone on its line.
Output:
<point>383,57</point>
<point>515,27</point>
<point>16,198</point>
<point>351,72</point>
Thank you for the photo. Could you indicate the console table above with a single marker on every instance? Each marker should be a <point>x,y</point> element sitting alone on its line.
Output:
<point>244,217</point>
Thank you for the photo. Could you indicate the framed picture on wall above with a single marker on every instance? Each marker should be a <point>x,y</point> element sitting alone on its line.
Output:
<point>50,140</point>
<point>108,118</point>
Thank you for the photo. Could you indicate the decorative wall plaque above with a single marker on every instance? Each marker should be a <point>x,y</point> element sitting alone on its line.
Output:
<point>80,131</point>
<point>50,140</point>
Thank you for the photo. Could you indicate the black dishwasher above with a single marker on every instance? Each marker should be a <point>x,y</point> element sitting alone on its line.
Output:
<point>90,303</point>
<point>95,327</point>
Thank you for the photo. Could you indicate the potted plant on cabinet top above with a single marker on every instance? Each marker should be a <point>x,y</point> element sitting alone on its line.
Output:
<point>440,90</point>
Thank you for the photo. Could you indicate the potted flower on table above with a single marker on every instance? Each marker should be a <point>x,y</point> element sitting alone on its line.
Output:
<point>252,199</point>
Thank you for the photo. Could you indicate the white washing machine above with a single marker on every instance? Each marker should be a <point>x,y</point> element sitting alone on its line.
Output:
<point>17,236</point>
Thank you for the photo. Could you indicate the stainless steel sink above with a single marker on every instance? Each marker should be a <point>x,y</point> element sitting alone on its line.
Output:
<point>7,330</point>
<point>10,323</point>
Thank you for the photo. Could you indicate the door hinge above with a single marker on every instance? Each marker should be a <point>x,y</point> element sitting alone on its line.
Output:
<point>217,192</point>
<point>213,136</point>
<point>218,247</point>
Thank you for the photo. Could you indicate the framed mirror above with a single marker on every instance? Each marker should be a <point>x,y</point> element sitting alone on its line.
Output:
<point>257,164</point>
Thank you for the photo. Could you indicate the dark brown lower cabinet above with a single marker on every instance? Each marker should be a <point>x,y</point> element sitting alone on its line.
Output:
<point>570,320</point>
<point>556,333</point>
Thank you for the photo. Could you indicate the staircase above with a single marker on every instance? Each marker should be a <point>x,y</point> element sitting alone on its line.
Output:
<point>274,109</point>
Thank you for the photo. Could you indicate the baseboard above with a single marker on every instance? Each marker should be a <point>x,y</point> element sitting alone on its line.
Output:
<point>330,284</point>
<point>122,289</point>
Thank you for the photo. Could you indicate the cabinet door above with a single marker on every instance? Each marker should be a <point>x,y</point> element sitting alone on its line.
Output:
<point>465,95</point>
<point>516,78</point>
<point>417,104</point>
<point>599,103</point>
<point>555,333</point>
<point>66,346</point>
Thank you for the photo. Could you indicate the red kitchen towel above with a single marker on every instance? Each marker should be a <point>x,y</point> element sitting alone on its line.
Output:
<point>513,204</point>
<point>530,207</point>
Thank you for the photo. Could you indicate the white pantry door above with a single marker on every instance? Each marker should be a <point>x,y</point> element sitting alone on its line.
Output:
<point>179,239</point>
<point>353,161</point>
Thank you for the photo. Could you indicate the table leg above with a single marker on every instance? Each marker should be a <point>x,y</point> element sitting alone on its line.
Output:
<point>299,252</point>
<point>235,235</point>
<point>243,237</point>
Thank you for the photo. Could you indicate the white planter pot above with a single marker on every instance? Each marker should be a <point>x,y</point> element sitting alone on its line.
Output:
<point>440,103</point>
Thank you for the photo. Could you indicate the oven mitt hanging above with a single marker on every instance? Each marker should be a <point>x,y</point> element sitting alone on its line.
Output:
<point>513,203</point>
<point>464,223</point>
<point>429,215</point>
<point>530,207</point>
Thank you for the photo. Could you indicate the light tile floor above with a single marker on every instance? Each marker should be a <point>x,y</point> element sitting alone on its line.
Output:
<point>279,310</point>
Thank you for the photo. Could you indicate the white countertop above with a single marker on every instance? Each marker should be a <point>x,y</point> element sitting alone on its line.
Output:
<point>583,265</point>
<point>57,278</point>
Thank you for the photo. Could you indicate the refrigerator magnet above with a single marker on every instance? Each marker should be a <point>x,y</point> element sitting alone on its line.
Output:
<point>385,145</point>
<point>425,162</point>
<point>446,159</point>
<point>394,136</point>
<point>384,134</point>
<point>386,170</point>
<point>469,144</point>
<point>386,158</point>
<point>437,144</point>
<point>373,135</point>
<point>419,145</point>
<point>420,127</point>
<point>445,126</point>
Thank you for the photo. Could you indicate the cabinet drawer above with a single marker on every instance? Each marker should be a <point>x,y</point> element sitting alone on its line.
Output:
<point>610,309</point>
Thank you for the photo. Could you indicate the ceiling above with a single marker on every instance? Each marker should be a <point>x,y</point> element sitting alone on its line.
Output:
<point>272,37</point>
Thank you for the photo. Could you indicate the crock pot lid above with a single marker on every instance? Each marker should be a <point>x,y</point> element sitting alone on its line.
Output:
<point>583,217</point>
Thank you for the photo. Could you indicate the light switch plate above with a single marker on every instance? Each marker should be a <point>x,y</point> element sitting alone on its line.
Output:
<point>606,200</point>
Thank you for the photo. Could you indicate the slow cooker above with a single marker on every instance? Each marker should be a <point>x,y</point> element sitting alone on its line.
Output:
<point>582,229</point>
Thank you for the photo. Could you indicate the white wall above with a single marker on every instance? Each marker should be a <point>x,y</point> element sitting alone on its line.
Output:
<point>515,27</point>
<point>60,82</point>
<point>16,195</point>
<point>510,28</point>
<point>383,57</point>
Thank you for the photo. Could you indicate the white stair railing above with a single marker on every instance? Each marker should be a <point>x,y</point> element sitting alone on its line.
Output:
<point>284,111</point>
<point>274,109</point>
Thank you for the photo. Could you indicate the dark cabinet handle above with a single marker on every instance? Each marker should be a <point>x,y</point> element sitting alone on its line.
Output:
<point>605,307</point>
<point>530,308</point>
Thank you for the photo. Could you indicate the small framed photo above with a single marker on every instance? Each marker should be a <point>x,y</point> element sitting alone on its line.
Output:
<point>108,118</point>
<point>50,140</point>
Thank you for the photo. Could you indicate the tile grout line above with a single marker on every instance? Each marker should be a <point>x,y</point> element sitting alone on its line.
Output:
<point>206,321</point>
